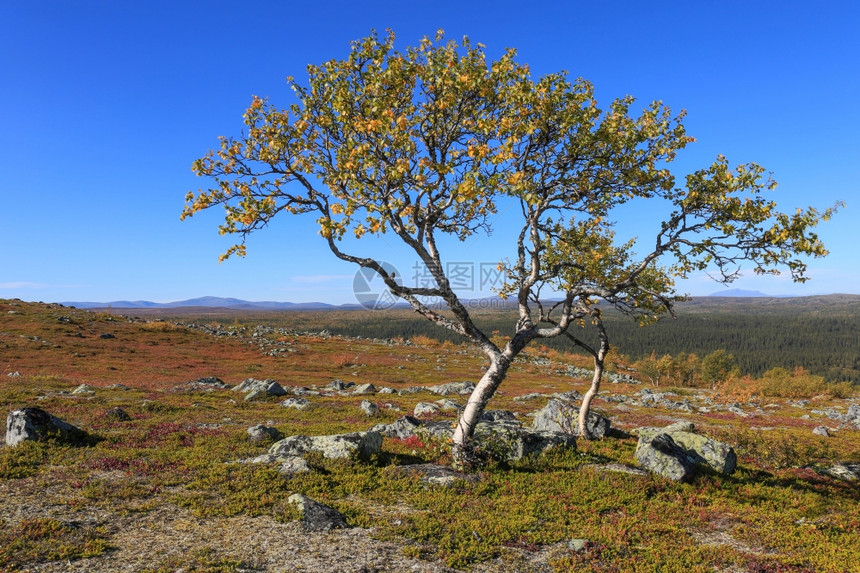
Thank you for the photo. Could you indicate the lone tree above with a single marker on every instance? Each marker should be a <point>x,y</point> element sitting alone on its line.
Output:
<point>427,142</point>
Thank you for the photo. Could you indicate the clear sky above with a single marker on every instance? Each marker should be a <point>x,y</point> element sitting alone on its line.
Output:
<point>104,105</point>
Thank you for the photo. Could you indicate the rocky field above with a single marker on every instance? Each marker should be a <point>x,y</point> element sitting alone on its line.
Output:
<point>148,445</point>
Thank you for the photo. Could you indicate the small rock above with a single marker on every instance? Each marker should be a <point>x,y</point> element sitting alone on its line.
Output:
<point>453,388</point>
<point>106,336</point>
<point>364,389</point>
<point>293,465</point>
<point>339,385</point>
<point>846,471</point>
<point>83,390</point>
<point>297,403</point>
<point>259,388</point>
<point>577,544</point>
<point>401,428</point>
<point>446,404</point>
<point>317,516</point>
<point>118,413</point>
<point>425,408</point>
<point>369,408</point>
<point>261,433</point>
<point>821,431</point>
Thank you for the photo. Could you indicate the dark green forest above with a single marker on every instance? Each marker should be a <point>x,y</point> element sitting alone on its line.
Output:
<point>820,334</point>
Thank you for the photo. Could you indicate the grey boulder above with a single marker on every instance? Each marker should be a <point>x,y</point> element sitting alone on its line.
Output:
<point>699,449</point>
<point>561,416</point>
<point>38,425</point>
<point>356,444</point>
<point>661,455</point>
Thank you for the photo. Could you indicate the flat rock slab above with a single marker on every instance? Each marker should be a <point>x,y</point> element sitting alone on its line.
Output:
<point>435,474</point>
<point>359,444</point>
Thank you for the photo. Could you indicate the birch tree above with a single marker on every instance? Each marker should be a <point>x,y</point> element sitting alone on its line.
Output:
<point>426,142</point>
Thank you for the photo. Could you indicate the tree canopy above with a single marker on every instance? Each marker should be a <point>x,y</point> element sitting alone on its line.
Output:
<point>426,142</point>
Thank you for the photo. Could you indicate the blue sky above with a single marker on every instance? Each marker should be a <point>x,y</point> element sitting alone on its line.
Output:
<point>104,105</point>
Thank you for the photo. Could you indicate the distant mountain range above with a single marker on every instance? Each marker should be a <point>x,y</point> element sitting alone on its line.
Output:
<point>211,302</point>
<point>235,303</point>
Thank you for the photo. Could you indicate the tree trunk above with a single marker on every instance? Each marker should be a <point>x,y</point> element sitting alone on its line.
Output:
<point>589,396</point>
<point>599,358</point>
<point>485,389</point>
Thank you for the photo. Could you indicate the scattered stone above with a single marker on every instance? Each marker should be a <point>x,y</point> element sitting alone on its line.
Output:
<point>338,385</point>
<point>561,416</point>
<point>570,396</point>
<point>448,405</point>
<point>411,390</point>
<point>387,390</point>
<point>424,408</point>
<point>255,389</point>
<point>297,403</point>
<point>13,374</point>
<point>498,416</point>
<point>369,408</point>
<point>208,383</point>
<point>821,431</point>
<point>260,433</point>
<point>317,516</point>
<point>846,471</point>
<point>620,468</point>
<point>738,412</point>
<point>118,413</point>
<point>107,336</point>
<point>293,465</point>
<point>360,444</point>
<point>453,388</point>
<point>577,544</point>
<point>83,390</point>
<point>364,389</point>
<point>38,425</point>
<point>435,474</point>
<point>401,428</point>
<point>530,396</point>
<point>661,455</point>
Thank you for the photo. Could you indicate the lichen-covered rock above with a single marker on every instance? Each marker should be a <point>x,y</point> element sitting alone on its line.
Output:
<point>317,516</point>
<point>118,413</point>
<point>401,428</point>
<point>293,465</point>
<point>364,389</point>
<point>255,389</point>
<point>846,471</point>
<point>561,416</point>
<point>661,455</point>
<point>511,441</point>
<point>261,433</point>
<point>719,456</point>
<point>38,425</point>
<point>356,444</point>
<point>424,408</point>
<point>498,416</point>
<point>821,431</point>
<point>369,408</point>
<point>297,403</point>
<point>453,388</point>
